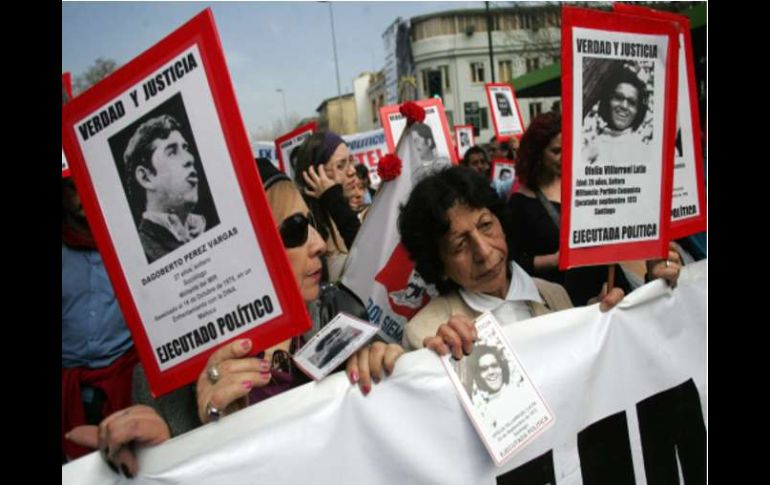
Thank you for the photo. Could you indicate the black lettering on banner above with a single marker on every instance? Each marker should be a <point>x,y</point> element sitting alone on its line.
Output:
<point>605,452</point>
<point>670,425</point>
<point>538,471</point>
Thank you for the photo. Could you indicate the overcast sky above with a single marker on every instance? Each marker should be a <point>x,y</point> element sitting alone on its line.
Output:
<point>268,45</point>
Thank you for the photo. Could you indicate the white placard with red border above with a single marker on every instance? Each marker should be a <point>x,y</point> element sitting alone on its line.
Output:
<point>394,123</point>
<point>286,144</point>
<point>181,301</point>
<point>688,204</point>
<point>504,107</point>
<point>464,139</point>
<point>265,149</point>
<point>619,77</point>
<point>66,95</point>
<point>502,170</point>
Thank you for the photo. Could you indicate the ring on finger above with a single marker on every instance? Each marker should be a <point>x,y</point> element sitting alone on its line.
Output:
<point>213,374</point>
<point>213,413</point>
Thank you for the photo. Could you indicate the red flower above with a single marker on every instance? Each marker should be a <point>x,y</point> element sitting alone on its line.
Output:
<point>412,112</point>
<point>389,167</point>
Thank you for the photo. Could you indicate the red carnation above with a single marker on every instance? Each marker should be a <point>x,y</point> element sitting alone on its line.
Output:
<point>389,167</point>
<point>412,112</point>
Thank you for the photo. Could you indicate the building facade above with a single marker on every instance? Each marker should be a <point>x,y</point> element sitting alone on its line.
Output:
<point>338,114</point>
<point>451,55</point>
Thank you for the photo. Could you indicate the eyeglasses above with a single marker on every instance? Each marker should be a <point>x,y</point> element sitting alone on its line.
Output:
<point>294,229</point>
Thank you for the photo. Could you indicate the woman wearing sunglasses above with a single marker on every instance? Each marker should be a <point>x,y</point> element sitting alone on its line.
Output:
<point>231,378</point>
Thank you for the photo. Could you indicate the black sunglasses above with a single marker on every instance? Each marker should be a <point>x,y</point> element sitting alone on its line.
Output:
<point>294,229</point>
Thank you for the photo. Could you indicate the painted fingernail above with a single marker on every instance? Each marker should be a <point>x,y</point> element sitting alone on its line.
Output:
<point>264,365</point>
<point>247,384</point>
<point>126,472</point>
<point>246,344</point>
<point>266,375</point>
<point>366,389</point>
<point>353,377</point>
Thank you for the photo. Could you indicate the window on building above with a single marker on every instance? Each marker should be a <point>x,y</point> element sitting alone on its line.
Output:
<point>526,21</point>
<point>450,117</point>
<point>375,111</point>
<point>556,107</point>
<point>506,71</point>
<point>534,110</point>
<point>484,118</point>
<point>445,77</point>
<point>424,74</point>
<point>477,72</point>
<point>533,64</point>
<point>472,116</point>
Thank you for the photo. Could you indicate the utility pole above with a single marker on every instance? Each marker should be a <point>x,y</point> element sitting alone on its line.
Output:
<point>489,40</point>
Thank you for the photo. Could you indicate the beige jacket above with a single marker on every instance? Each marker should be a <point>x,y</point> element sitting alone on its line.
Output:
<point>440,309</point>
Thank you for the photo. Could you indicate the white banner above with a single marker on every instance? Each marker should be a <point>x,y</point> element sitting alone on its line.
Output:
<point>368,147</point>
<point>265,149</point>
<point>627,389</point>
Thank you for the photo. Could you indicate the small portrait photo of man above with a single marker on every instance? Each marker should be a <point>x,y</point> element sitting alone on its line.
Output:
<point>464,139</point>
<point>163,179</point>
<point>505,174</point>
<point>332,344</point>
<point>503,104</point>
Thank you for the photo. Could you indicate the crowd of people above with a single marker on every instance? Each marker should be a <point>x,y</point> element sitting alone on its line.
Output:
<point>484,250</point>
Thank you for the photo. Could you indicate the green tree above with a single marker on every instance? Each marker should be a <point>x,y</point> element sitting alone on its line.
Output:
<point>100,69</point>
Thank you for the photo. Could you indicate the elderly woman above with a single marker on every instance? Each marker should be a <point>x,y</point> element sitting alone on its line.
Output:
<point>452,228</point>
<point>231,378</point>
<point>535,217</point>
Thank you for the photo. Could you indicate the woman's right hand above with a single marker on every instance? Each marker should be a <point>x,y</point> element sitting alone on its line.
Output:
<point>238,373</point>
<point>318,181</point>
<point>457,337</point>
<point>116,433</point>
<point>370,361</point>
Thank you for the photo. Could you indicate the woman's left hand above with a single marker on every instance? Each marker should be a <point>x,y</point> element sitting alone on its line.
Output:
<point>318,181</point>
<point>368,363</point>
<point>668,269</point>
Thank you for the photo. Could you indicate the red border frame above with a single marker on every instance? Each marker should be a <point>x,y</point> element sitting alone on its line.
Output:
<point>457,138</point>
<point>499,137</point>
<point>500,161</point>
<point>386,111</point>
<point>200,30</point>
<point>312,126</point>
<point>688,225</point>
<point>66,82</point>
<point>615,22</point>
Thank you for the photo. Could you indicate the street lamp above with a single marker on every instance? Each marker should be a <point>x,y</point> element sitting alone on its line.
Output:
<point>285,116</point>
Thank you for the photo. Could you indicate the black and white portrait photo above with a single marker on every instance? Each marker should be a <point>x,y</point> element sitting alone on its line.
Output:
<point>427,152</point>
<point>163,179</point>
<point>617,109</point>
<point>503,104</point>
<point>332,344</point>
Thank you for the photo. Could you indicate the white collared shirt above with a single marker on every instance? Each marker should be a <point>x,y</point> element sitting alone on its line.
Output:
<point>514,307</point>
<point>194,225</point>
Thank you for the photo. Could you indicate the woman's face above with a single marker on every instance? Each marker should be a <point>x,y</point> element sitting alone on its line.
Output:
<point>423,146</point>
<point>341,168</point>
<point>474,252</point>
<point>305,260</point>
<point>356,199</point>
<point>624,104</point>
<point>552,156</point>
<point>491,372</point>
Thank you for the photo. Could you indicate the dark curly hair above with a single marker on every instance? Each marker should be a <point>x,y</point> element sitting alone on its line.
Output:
<point>480,351</point>
<point>623,75</point>
<point>423,220</point>
<point>529,166</point>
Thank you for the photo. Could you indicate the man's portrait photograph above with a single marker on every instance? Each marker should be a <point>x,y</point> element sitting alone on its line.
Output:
<point>163,179</point>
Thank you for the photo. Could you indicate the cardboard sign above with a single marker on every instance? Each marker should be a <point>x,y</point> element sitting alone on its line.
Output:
<point>163,166</point>
<point>464,139</point>
<point>367,148</point>
<point>619,77</point>
<point>432,140</point>
<point>688,198</point>
<point>506,115</point>
<point>286,144</point>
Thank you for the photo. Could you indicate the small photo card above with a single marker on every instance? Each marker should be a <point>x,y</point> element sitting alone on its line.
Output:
<point>337,341</point>
<point>504,405</point>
